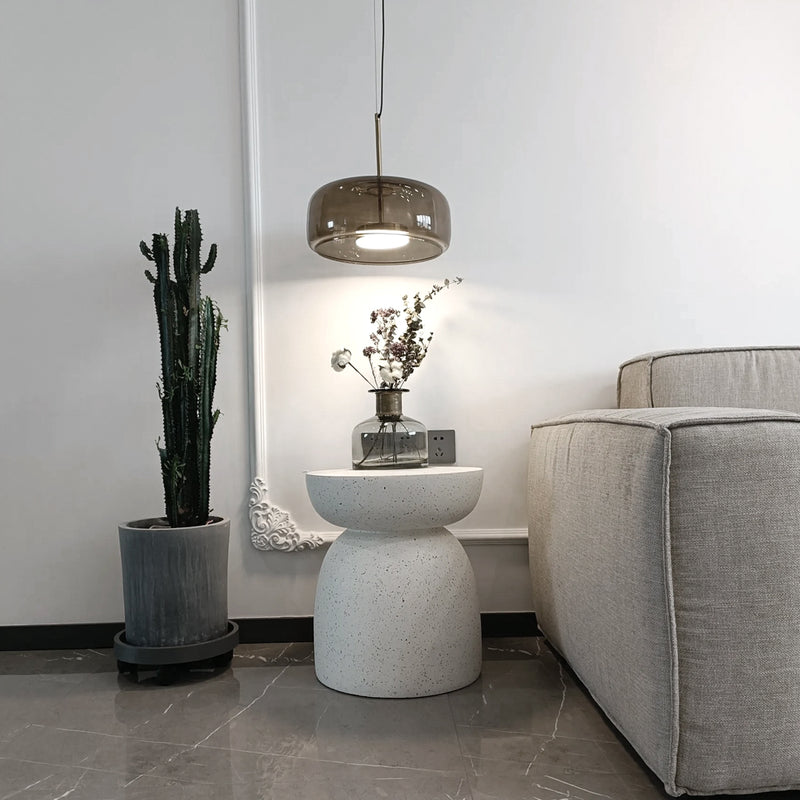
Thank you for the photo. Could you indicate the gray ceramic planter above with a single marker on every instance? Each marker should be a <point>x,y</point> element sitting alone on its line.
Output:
<point>174,582</point>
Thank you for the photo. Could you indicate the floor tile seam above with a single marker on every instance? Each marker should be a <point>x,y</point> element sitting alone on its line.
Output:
<point>38,671</point>
<point>9,735</point>
<point>271,662</point>
<point>67,679</point>
<point>465,779</point>
<point>188,748</point>
<point>319,689</point>
<point>518,732</point>
<point>535,784</point>
<point>123,736</point>
<point>284,662</point>
<point>531,656</point>
<point>559,792</point>
<point>79,654</point>
<point>91,657</point>
<point>554,732</point>
<point>547,764</point>
<point>412,772</point>
<point>529,692</point>
<point>574,786</point>
<point>242,710</point>
<point>63,766</point>
<point>295,757</point>
<point>150,775</point>
<point>535,780</point>
<point>184,747</point>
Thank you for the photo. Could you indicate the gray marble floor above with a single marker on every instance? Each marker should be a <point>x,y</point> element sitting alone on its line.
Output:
<point>71,727</point>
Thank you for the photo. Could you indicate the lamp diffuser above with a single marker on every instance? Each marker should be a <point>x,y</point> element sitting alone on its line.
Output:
<point>378,219</point>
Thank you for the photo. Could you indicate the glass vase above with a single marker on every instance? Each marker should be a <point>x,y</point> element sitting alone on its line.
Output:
<point>389,440</point>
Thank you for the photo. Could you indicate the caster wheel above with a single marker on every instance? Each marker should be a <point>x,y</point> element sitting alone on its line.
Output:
<point>124,667</point>
<point>167,675</point>
<point>223,660</point>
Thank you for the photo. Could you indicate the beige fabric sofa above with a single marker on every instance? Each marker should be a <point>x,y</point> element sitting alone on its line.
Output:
<point>665,562</point>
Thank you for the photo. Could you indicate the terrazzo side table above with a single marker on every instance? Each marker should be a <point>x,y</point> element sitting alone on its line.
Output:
<point>396,610</point>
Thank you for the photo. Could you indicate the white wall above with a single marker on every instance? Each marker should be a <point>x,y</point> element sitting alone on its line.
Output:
<point>112,114</point>
<point>622,175</point>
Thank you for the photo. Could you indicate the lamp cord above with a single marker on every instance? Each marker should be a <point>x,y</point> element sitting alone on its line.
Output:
<point>379,83</point>
<point>378,156</point>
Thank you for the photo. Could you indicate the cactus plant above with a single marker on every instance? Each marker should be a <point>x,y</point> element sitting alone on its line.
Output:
<point>189,329</point>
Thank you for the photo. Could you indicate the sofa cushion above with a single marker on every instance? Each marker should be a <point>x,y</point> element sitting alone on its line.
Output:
<point>753,377</point>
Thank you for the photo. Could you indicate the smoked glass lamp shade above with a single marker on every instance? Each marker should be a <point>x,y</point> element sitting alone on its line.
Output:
<point>378,220</point>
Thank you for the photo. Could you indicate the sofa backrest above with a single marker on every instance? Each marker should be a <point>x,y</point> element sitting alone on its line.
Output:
<point>735,377</point>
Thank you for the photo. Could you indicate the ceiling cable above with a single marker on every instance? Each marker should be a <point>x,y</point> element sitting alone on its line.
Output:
<point>383,51</point>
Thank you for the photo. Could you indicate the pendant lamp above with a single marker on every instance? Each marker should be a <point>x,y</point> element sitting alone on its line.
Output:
<point>378,219</point>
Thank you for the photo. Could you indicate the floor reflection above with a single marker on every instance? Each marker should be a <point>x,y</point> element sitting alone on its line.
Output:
<point>72,727</point>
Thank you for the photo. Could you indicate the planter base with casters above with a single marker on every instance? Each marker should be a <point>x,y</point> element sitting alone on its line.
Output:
<point>169,661</point>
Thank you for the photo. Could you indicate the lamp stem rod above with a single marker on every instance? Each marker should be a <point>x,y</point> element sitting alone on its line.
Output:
<point>378,144</point>
<point>378,165</point>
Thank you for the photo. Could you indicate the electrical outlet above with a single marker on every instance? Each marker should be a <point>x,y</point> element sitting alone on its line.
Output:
<point>441,447</point>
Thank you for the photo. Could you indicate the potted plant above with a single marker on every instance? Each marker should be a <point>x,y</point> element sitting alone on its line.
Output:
<point>175,568</point>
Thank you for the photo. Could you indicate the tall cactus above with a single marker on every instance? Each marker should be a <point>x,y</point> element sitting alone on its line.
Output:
<point>189,329</point>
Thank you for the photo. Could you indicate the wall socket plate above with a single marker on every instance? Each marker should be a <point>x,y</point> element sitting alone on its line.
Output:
<point>441,447</point>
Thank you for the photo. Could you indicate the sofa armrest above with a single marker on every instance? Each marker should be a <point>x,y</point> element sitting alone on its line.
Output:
<point>665,562</point>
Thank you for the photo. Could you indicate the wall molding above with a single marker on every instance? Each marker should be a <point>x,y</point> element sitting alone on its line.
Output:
<point>518,536</point>
<point>467,537</point>
<point>271,528</point>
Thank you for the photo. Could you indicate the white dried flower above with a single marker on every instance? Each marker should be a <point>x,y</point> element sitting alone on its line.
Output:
<point>340,359</point>
<point>393,353</point>
<point>391,373</point>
